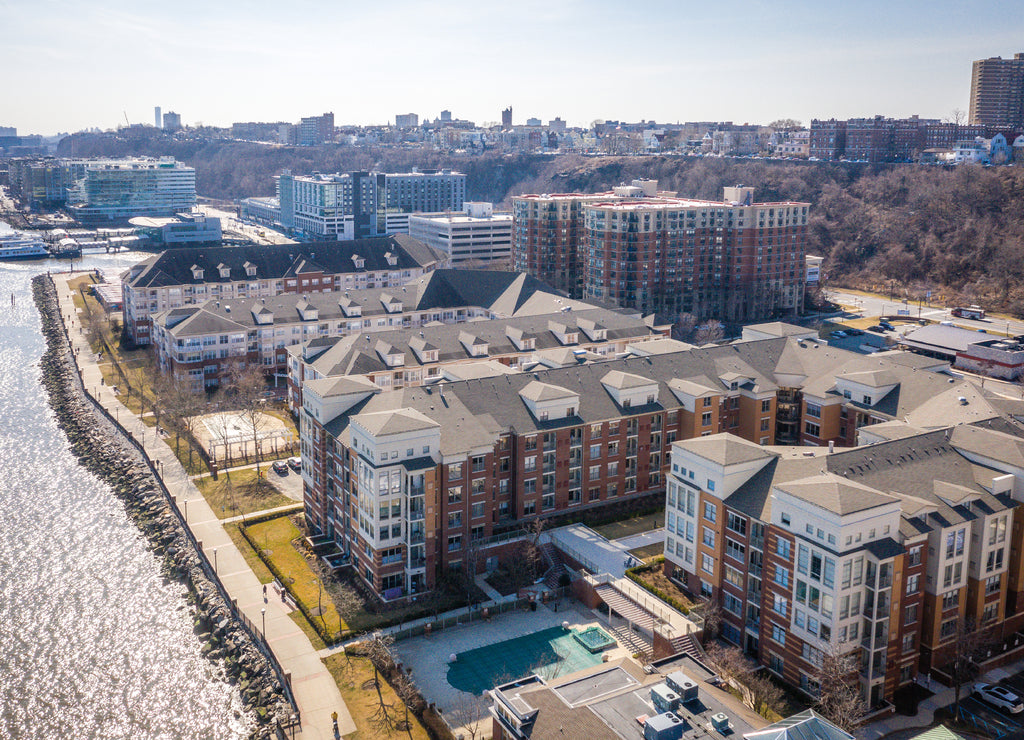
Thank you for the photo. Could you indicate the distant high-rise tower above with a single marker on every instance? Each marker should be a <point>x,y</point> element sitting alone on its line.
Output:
<point>172,121</point>
<point>506,118</point>
<point>446,115</point>
<point>997,92</point>
<point>159,118</point>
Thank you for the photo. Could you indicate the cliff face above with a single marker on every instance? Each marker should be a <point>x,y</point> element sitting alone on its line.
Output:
<point>954,231</point>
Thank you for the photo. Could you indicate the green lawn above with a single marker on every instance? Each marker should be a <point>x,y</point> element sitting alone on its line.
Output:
<point>631,526</point>
<point>277,538</point>
<point>240,492</point>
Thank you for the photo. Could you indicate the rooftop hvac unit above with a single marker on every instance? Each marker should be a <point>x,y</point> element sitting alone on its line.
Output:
<point>683,685</point>
<point>666,726</point>
<point>664,698</point>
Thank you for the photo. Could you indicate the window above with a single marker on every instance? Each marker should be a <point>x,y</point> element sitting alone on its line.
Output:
<point>783,548</point>
<point>454,494</point>
<point>735,550</point>
<point>530,507</point>
<point>477,510</point>
<point>780,604</point>
<point>731,604</point>
<point>733,576</point>
<point>782,576</point>
<point>779,635</point>
<point>910,614</point>
<point>948,628</point>
<point>595,452</point>
<point>530,463</point>
<point>908,643</point>
<point>766,406</point>
<point>736,523</point>
<point>710,512</point>
<point>811,429</point>
<point>705,419</point>
<point>992,584</point>
<point>784,518</point>
<point>764,425</point>
<point>455,543</point>
<point>775,664</point>
<point>707,563</point>
<point>454,471</point>
<point>709,537</point>
<point>454,519</point>
<point>803,557</point>
<point>912,584</point>
<point>994,562</point>
<point>814,410</point>
<point>711,485</point>
<point>914,557</point>
<point>950,600</point>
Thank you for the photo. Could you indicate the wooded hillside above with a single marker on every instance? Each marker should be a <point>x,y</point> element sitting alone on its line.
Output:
<point>958,232</point>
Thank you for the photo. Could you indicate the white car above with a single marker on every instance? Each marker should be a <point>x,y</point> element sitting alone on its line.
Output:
<point>998,696</point>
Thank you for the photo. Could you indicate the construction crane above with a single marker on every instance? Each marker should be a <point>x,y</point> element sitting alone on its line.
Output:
<point>126,119</point>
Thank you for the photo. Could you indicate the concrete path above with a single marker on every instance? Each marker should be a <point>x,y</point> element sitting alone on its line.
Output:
<point>278,510</point>
<point>313,687</point>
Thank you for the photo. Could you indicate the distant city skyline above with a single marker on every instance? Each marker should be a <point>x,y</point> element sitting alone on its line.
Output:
<point>73,66</point>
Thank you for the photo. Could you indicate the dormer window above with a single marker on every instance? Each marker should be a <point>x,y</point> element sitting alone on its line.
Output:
<point>250,269</point>
<point>197,272</point>
<point>391,258</point>
<point>358,261</point>
<point>224,270</point>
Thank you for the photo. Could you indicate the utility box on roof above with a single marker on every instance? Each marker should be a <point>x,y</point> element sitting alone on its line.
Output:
<point>665,726</point>
<point>683,685</point>
<point>664,698</point>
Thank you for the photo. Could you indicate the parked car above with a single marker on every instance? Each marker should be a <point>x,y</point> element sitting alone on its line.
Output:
<point>854,332</point>
<point>838,335</point>
<point>886,326</point>
<point>280,467</point>
<point>877,328</point>
<point>1000,697</point>
<point>295,463</point>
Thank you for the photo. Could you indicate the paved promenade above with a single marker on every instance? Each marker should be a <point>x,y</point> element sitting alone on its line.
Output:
<point>315,691</point>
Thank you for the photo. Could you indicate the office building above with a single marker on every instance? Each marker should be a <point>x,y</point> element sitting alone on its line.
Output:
<point>734,260</point>
<point>193,275</point>
<point>359,205</point>
<point>997,92</point>
<point>407,120</point>
<point>119,190</point>
<point>506,118</point>
<point>474,237</point>
<point>159,119</point>
<point>185,228</point>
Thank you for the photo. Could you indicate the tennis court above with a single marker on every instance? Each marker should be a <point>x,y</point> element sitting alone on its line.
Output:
<point>549,653</point>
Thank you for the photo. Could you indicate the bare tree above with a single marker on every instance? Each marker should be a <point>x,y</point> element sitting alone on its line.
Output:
<point>468,714</point>
<point>729,660</point>
<point>966,651</point>
<point>247,385</point>
<point>840,699</point>
<point>181,406</point>
<point>711,612</point>
<point>712,331</point>
<point>683,329</point>
<point>378,649</point>
<point>765,693</point>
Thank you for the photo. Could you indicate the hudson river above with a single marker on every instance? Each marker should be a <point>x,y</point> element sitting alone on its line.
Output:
<point>93,642</point>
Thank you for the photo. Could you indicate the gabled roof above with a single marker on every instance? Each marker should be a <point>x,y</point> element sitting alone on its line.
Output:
<point>836,494</point>
<point>538,391</point>
<point>385,423</point>
<point>726,449</point>
<point>626,381</point>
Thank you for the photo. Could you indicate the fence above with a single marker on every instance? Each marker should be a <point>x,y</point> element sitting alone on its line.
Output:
<point>255,634</point>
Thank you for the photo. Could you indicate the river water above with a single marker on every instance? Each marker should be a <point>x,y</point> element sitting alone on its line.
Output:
<point>93,642</point>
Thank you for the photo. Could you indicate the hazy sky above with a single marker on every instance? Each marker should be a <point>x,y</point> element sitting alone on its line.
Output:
<point>71,65</point>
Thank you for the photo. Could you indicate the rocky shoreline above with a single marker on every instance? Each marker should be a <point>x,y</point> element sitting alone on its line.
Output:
<point>102,449</point>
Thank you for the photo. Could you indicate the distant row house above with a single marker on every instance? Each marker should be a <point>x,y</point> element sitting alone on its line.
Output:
<point>189,276</point>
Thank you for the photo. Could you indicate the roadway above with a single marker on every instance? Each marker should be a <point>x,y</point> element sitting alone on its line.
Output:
<point>231,224</point>
<point>866,306</point>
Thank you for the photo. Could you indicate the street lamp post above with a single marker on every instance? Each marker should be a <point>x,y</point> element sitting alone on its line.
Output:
<point>263,614</point>
<point>215,561</point>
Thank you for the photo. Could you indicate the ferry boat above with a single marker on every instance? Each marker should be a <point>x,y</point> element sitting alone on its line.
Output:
<point>20,247</point>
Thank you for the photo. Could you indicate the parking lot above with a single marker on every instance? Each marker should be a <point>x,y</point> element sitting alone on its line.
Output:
<point>1000,720</point>
<point>290,483</point>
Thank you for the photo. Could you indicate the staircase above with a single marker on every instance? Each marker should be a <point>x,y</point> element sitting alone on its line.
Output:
<point>556,566</point>
<point>631,640</point>
<point>626,608</point>
<point>689,645</point>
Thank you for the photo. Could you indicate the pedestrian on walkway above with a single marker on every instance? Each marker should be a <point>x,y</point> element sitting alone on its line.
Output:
<point>264,593</point>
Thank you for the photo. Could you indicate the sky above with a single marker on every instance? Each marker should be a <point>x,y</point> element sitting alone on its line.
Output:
<point>69,65</point>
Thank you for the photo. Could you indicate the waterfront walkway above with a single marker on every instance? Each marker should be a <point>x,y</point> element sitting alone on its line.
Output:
<point>314,689</point>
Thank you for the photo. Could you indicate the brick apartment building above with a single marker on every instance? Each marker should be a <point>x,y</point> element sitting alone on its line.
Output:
<point>883,549</point>
<point>735,260</point>
<point>385,335</point>
<point>881,139</point>
<point>417,480</point>
<point>193,275</point>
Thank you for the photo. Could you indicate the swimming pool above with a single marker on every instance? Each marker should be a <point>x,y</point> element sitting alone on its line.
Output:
<point>549,653</point>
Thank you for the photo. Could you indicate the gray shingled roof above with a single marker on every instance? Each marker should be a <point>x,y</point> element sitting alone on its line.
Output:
<point>836,494</point>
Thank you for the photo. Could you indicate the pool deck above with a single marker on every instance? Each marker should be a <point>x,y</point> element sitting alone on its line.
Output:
<point>428,656</point>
